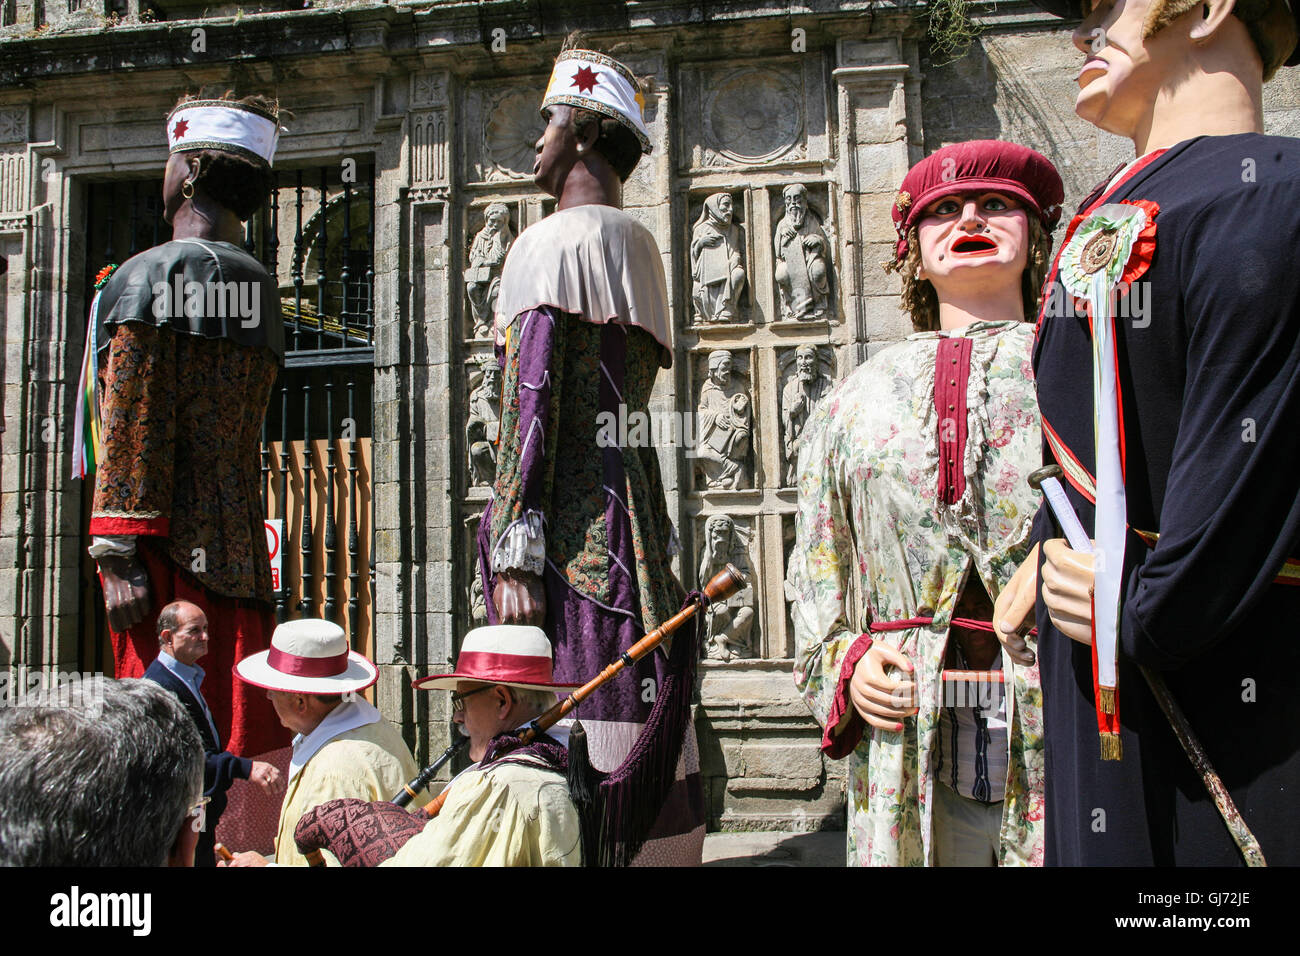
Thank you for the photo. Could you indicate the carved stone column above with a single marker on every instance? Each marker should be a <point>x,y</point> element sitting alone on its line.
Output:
<point>414,600</point>
<point>872,93</point>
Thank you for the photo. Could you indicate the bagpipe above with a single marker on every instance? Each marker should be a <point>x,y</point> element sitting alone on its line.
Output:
<point>616,810</point>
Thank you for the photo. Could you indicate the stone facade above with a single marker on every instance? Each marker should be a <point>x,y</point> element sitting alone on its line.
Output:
<point>747,99</point>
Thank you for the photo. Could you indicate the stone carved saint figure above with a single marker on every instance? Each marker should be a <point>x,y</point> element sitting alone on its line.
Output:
<point>486,255</point>
<point>717,275</point>
<point>804,390</point>
<point>802,258</point>
<point>483,424</point>
<point>727,624</point>
<point>725,425</point>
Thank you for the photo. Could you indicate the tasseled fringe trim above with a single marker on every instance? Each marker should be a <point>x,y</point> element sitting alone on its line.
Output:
<point>631,797</point>
<point>1111,748</point>
<point>1106,699</point>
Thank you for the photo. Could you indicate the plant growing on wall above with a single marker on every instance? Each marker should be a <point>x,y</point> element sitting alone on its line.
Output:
<point>951,31</point>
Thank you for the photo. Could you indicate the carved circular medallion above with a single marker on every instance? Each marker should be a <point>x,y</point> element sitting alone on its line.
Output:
<point>753,115</point>
<point>510,136</point>
<point>1098,251</point>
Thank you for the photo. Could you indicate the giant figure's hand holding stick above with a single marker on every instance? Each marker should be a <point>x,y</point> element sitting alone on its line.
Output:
<point>1048,478</point>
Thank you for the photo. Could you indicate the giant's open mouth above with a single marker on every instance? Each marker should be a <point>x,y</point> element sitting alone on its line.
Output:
<point>974,244</point>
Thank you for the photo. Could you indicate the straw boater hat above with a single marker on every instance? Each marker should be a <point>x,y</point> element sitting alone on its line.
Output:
<point>509,654</point>
<point>596,82</point>
<point>226,125</point>
<point>308,657</point>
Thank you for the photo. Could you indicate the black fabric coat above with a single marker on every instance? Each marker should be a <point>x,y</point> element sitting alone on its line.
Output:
<point>1210,386</point>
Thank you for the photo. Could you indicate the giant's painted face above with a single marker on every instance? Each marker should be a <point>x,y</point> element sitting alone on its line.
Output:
<point>973,242</point>
<point>1123,73</point>
<point>557,149</point>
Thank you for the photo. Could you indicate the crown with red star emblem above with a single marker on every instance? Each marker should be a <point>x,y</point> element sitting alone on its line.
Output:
<point>596,82</point>
<point>225,125</point>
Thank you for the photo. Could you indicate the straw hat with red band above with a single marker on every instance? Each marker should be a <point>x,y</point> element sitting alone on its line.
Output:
<point>982,165</point>
<point>510,654</point>
<point>308,657</point>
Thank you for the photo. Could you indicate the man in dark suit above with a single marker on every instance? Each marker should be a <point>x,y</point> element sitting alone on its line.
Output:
<point>182,641</point>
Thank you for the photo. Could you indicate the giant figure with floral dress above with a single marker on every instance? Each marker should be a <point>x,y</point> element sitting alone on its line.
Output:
<point>914,512</point>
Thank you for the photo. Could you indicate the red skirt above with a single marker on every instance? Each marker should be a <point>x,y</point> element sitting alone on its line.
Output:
<point>236,628</point>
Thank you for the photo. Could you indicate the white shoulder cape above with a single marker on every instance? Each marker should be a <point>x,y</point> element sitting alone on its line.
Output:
<point>595,261</point>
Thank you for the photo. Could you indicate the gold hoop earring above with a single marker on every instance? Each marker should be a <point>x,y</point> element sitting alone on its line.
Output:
<point>188,184</point>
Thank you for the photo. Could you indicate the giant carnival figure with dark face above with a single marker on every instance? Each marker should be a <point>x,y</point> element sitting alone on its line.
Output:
<point>576,537</point>
<point>186,340</point>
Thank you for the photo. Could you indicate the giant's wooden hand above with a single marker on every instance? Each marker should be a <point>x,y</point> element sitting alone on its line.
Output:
<point>1067,590</point>
<point>1013,612</point>
<point>519,598</point>
<point>126,591</point>
<point>883,701</point>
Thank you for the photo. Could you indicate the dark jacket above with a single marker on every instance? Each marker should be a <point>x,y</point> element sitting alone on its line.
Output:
<point>220,768</point>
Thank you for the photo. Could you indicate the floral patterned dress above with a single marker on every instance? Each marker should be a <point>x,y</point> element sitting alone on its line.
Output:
<point>876,542</point>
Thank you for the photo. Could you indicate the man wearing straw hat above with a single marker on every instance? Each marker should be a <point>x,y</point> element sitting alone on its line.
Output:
<point>512,807</point>
<point>343,747</point>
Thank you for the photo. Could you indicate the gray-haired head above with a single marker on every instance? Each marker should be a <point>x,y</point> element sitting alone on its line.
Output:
<point>106,779</point>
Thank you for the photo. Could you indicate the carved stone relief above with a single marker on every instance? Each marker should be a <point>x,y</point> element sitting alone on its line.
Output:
<point>483,423</point>
<point>803,258</point>
<point>510,136</point>
<point>13,125</point>
<point>13,182</point>
<point>487,254</point>
<point>427,89</point>
<point>752,115</point>
<point>429,147</point>
<point>729,629</point>
<point>477,603</point>
<point>806,381</point>
<point>724,427</point>
<point>717,263</point>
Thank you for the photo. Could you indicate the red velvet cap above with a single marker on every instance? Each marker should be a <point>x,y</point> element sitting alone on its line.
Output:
<point>981,165</point>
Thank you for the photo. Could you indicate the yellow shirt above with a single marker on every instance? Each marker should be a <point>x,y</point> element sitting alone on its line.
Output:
<point>371,762</point>
<point>512,814</point>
